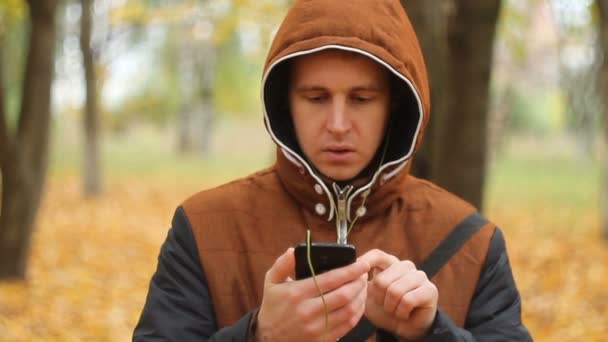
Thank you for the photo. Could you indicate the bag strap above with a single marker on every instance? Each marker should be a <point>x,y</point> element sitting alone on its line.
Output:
<point>431,265</point>
<point>452,243</point>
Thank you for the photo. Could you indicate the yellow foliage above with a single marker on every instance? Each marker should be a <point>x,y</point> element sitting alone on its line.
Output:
<point>91,262</point>
<point>11,11</point>
<point>560,264</point>
<point>187,14</point>
<point>136,11</point>
<point>133,11</point>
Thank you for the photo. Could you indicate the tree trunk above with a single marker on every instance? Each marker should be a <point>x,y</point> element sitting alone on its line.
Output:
<point>24,158</point>
<point>20,198</point>
<point>461,167</point>
<point>457,38</point>
<point>603,95</point>
<point>428,19</point>
<point>92,171</point>
<point>197,113</point>
<point>186,72</point>
<point>207,56</point>
<point>5,139</point>
<point>184,125</point>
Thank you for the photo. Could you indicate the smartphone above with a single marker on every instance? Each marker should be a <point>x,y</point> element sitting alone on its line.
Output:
<point>324,256</point>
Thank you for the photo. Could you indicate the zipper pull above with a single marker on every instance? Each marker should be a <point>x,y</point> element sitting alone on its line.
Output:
<point>341,220</point>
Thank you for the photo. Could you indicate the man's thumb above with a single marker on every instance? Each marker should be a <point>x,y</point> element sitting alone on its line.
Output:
<point>282,268</point>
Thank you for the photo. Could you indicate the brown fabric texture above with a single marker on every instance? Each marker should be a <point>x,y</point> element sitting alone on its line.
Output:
<point>243,226</point>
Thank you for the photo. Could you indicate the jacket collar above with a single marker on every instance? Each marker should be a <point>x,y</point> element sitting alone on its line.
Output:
<point>322,198</point>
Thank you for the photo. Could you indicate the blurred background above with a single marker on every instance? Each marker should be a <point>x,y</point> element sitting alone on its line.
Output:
<point>112,112</point>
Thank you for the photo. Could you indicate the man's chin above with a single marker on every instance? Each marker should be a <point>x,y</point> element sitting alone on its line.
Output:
<point>340,176</point>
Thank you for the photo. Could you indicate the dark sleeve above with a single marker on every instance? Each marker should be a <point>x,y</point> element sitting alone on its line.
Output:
<point>178,306</point>
<point>495,312</point>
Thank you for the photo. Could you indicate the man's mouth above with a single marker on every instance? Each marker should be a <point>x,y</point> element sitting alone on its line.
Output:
<point>338,153</point>
<point>339,149</point>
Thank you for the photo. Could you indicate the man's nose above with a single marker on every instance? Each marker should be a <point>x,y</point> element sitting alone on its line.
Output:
<point>338,121</point>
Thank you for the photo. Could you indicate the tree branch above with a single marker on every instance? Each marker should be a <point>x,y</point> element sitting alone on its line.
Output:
<point>603,8</point>
<point>602,84</point>
<point>602,89</point>
<point>5,142</point>
<point>32,128</point>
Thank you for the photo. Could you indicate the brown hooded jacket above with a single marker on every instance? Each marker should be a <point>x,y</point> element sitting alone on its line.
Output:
<point>240,228</point>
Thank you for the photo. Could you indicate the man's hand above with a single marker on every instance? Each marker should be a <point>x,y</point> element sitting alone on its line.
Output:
<point>400,298</point>
<point>294,311</point>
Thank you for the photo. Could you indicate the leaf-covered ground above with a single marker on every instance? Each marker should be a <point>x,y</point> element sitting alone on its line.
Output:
<point>91,261</point>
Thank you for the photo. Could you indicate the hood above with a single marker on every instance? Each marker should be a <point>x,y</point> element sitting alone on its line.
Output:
<point>379,30</point>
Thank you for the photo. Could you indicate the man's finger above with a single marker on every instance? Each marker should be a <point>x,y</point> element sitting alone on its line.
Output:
<point>345,294</point>
<point>343,320</point>
<point>283,268</point>
<point>396,290</point>
<point>423,297</point>
<point>333,279</point>
<point>378,259</point>
<point>385,279</point>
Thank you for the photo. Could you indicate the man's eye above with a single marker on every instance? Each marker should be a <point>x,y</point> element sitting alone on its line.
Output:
<point>316,98</point>
<point>361,99</point>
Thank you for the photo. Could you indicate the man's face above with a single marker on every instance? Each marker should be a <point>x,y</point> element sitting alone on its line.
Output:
<point>339,103</point>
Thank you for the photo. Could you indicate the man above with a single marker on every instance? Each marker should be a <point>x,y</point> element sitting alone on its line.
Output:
<point>346,101</point>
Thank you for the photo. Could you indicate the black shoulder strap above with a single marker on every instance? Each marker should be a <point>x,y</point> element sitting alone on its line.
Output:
<point>431,265</point>
<point>452,243</point>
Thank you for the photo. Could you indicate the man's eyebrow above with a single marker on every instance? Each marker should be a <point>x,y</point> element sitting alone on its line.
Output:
<point>310,88</point>
<point>369,87</point>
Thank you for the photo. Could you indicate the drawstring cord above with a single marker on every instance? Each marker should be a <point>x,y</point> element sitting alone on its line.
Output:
<point>314,278</point>
<point>368,191</point>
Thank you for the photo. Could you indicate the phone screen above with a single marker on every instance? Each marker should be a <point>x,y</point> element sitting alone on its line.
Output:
<point>325,256</point>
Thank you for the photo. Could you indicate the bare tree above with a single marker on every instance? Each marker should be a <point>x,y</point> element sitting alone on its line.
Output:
<point>197,61</point>
<point>461,168</point>
<point>92,171</point>
<point>24,153</point>
<point>428,19</point>
<point>457,37</point>
<point>602,6</point>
